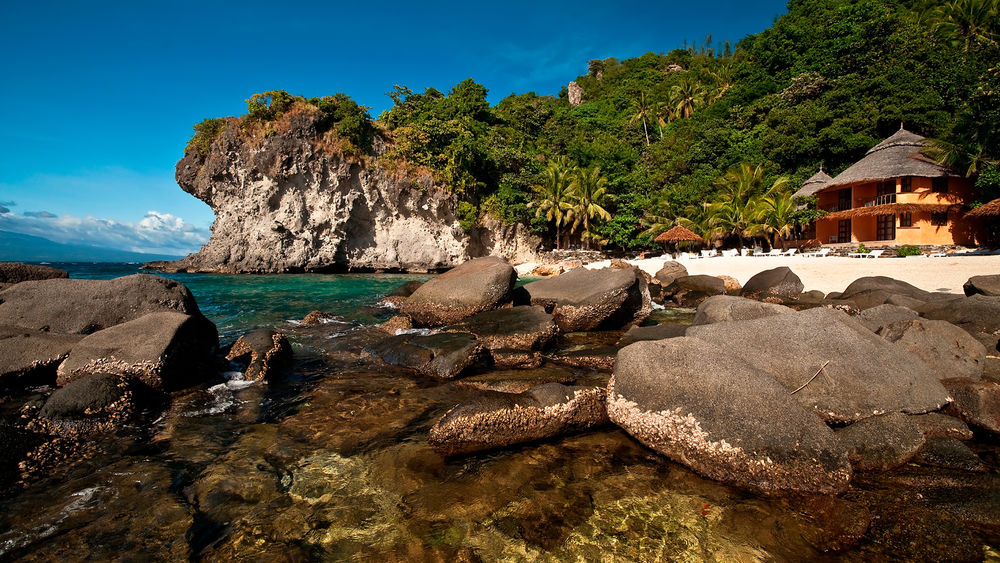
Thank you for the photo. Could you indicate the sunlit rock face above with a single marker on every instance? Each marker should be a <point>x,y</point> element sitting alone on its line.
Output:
<point>292,202</point>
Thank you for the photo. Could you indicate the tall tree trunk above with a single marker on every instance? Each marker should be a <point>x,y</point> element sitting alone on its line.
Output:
<point>646,131</point>
<point>558,238</point>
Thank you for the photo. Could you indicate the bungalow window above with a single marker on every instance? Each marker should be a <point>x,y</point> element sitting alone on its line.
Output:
<point>939,219</point>
<point>906,219</point>
<point>906,185</point>
<point>940,184</point>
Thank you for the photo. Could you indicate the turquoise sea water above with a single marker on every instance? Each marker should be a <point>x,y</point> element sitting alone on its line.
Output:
<point>236,303</point>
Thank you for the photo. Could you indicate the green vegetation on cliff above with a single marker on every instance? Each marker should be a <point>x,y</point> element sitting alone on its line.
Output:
<point>669,132</point>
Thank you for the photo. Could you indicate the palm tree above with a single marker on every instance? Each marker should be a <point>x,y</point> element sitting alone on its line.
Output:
<point>664,113</point>
<point>777,215</point>
<point>589,189</point>
<point>968,21</point>
<point>723,76</point>
<point>739,210</point>
<point>968,159</point>
<point>554,196</point>
<point>686,95</point>
<point>642,110</point>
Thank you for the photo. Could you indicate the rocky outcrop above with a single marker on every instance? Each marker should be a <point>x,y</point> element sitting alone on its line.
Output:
<point>670,271</point>
<point>290,202</point>
<point>264,352</point>
<point>978,315</point>
<point>475,286</point>
<point>585,299</point>
<point>16,272</point>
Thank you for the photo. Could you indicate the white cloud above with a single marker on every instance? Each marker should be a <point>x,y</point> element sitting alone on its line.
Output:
<point>160,233</point>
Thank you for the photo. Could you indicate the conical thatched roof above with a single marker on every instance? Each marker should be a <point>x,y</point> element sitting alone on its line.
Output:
<point>991,209</point>
<point>814,184</point>
<point>895,157</point>
<point>678,234</point>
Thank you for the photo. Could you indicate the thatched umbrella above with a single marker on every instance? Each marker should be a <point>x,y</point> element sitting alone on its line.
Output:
<point>991,209</point>
<point>678,234</point>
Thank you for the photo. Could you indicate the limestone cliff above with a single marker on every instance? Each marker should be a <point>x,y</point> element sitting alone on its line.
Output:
<point>289,200</point>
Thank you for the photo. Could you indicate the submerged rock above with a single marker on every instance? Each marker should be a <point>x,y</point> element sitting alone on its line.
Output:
<point>779,282</point>
<point>949,453</point>
<point>497,420</point>
<point>881,443</point>
<point>583,299</point>
<point>165,351</point>
<point>722,308</point>
<point>514,328</point>
<point>724,418</point>
<point>845,372</point>
<point>477,285</point>
<point>445,355</point>
<point>264,352</point>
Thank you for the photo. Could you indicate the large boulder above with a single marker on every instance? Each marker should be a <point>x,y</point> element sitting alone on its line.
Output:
<point>514,328</point>
<point>722,308</point>
<point>496,420</point>
<point>978,315</point>
<point>16,272</point>
<point>474,286</point>
<point>778,282</point>
<point>719,415</point>
<point>690,291</point>
<point>264,352</point>
<point>398,296</point>
<point>166,351</point>
<point>949,453</point>
<point>985,285</point>
<point>94,402</point>
<point>975,402</point>
<point>886,314</point>
<point>881,443</point>
<point>860,287</point>
<point>583,299</point>
<point>670,271</point>
<point>951,351</point>
<point>832,362</point>
<point>73,306</point>
<point>29,357</point>
<point>939,425</point>
<point>444,355</point>
<point>655,332</point>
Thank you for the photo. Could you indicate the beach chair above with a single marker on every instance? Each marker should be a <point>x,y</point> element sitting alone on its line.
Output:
<point>938,254</point>
<point>773,252</point>
<point>709,253</point>
<point>872,254</point>
<point>688,256</point>
<point>730,252</point>
<point>790,252</point>
<point>745,252</point>
<point>817,254</point>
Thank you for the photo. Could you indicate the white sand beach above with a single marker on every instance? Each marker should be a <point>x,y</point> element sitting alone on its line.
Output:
<point>835,273</point>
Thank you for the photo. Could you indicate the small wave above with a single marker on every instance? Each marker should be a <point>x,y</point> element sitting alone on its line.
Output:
<point>419,331</point>
<point>222,394</point>
<point>657,306</point>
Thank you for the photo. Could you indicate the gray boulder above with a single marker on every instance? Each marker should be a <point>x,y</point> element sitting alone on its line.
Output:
<point>477,285</point>
<point>513,328</point>
<point>717,414</point>
<point>882,315</point>
<point>978,315</point>
<point>881,443</point>
<point>583,299</point>
<point>985,285</point>
<point>846,372</point>
<point>975,402</point>
<point>445,355</point>
<point>723,308</point>
<point>778,282</point>
<point>74,306</point>
<point>16,272</point>
<point>166,351</point>
<point>398,296</point>
<point>690,291</point>
<point>30,357</point>
<point>670,271</point>
<point>655,332</point>
<point>264,352</point>
<point>92,403</point>
<point>497,420</point>
<point>949,453</point>
<point>890,286</point>
<point>938,425</point>
<point>951,351</point>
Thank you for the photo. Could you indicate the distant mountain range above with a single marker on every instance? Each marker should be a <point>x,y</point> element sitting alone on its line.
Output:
<point>17,247</point>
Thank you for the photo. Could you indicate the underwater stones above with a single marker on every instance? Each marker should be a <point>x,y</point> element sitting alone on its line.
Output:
<point>778,282</point>
<point>975,402</point>
<point>474,286</point>
<point>949,350</point>
<point>444,355</point>
<point>670,271</point>
<point>690,291</point>
<point>165,351</point>
<point>881,443</point>
<point>497,420</point>
<point>513,328</point>
<point>264,352</point>
<point>723,418</point>
<point>583,299</point>
<point>519,380</point>
<point>30,356</point>
<point>985,285</point>
<point>76,306</point>
<point>845,371</point>
<point>722,308</point>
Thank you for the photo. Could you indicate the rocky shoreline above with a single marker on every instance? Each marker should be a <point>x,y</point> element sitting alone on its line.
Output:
<point>770,388</point>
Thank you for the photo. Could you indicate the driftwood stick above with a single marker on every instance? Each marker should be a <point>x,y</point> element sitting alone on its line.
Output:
<point>821,368</point>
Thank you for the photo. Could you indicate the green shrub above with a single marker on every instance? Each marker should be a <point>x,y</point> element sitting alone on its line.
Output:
<point>908,250</point>
<point>862,248</point>
<point>269,105</point>
<point>205,133</point>
<point>467,216</point>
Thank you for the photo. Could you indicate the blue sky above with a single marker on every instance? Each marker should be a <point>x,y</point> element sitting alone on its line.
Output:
<point>99,97</point>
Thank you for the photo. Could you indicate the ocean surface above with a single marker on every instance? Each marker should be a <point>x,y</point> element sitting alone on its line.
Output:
<point>332,463</point>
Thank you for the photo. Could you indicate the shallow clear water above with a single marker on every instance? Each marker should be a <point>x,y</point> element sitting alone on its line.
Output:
<point>333,464</point>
